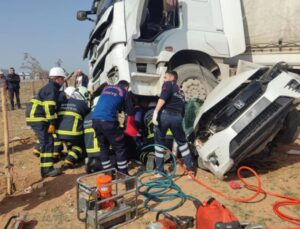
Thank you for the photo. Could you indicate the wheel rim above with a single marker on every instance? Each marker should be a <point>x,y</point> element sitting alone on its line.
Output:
<point>194,88</point>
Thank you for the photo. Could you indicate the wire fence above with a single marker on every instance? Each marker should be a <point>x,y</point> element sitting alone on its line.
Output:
<point>20,135</point>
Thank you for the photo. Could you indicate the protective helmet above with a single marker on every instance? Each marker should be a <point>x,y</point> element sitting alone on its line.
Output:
<point>69,91</point>
<point>57,71</point>
<point>83,93</point>
<point>95,101</point>
<point>1,73</point>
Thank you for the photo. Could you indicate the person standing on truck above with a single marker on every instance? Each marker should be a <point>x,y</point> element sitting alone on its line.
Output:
<point>13,85</point>
<point>40,116</point>
<point>81,79</point>
<point>69,129</point>
<point>168,114</point>
<point>106,125</point>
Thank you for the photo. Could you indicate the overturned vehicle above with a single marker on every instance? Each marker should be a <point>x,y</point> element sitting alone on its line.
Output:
<point>243,114</point>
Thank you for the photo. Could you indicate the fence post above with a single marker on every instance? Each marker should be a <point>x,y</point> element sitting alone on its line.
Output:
<point>6,137</point>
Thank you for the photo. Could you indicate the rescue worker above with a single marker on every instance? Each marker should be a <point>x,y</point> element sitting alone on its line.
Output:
<point>40,115</point>
<point>70,126</point>
<point>168,114</point>
<point>92,148</point>
<point>13,85</point>
<point>106,126</point>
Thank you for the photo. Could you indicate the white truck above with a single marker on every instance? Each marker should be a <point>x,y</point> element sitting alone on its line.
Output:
<point>132,41</point>
<point>138,40</point>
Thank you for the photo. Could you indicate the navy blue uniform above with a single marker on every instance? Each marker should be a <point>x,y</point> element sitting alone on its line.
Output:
<point>13,86</point>
<point>40,112</point>
<point>171,117</point>
<point>90,139</point>
<point>70,128</point>
<point>106,126</point>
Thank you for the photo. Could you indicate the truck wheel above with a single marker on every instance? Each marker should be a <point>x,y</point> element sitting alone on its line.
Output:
<point>195,81</point>
<point>291,128</point>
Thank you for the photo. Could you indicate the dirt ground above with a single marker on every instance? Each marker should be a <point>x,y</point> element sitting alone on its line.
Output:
<point>51,202</point>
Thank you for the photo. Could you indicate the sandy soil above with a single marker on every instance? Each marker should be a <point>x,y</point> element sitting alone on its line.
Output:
<point>51,202</point>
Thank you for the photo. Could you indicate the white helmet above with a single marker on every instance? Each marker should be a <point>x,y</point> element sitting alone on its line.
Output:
<point>1,73</point>
<point>69,91</point>
<point>57,71</point>
<point>81,93</point>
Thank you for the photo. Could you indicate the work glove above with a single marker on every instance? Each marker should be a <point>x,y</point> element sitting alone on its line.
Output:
<point>154,118</point>
<point>51,129</point>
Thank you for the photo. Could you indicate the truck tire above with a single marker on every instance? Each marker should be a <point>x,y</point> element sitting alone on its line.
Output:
<point>195,81</point>
<point>291,128</point>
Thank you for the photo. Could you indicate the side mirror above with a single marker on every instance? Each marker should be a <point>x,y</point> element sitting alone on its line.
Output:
<point>81,15</point>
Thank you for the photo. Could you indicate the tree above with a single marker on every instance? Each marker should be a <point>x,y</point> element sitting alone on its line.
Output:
<point>32,65</point>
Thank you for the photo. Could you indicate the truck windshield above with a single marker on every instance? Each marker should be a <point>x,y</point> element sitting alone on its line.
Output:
<point>102,6</point>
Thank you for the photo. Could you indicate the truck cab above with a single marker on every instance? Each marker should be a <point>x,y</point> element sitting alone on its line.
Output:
<point>138,41</point>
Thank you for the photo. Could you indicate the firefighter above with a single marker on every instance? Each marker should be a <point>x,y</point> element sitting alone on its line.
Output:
<point>106,126</point>
<point>170,109</point>
<point>40,115</point>
<point>92,148</point>
<point>70,126</point>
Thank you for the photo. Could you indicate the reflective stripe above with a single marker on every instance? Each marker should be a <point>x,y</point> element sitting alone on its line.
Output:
<point>105,162</point>
<point>106,166</point>
<point>159,149</point>
<point>47,105</point>
<point>73,154</point>
<point>67,132</point>
<point>122,166</point>
<point>56,154</point>
<point>169,132</point>
<point>183,147</point>
<point>75,124</point>
<point>37,102</point>
<point>93,150</point>
<point>49,102</point>
<point>46,164</point>
<point>57,143</point>
<point>33,109</point>
<point>160,155</point>
<point>89,130</point>
<point>70,113</point>
<point>122,163</point>
<point>43,155</point>
<point>77,148</point>
<point>37,119</point>
<point>185,153</point>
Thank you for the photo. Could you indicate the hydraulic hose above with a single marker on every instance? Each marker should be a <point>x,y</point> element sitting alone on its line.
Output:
<point>163,189</point>
<point>291,201</point>
<point>161,186</point>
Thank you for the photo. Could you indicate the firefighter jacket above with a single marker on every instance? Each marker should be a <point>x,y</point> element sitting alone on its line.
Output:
<point>69,125</point>
<point>42,107</point>
<point>149,127</point>
<point>90,140</point>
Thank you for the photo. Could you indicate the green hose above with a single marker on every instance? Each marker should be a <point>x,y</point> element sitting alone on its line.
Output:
<point>161,186</point>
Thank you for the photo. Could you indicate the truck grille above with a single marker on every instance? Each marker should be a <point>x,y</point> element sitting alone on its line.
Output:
<point>260,127</point>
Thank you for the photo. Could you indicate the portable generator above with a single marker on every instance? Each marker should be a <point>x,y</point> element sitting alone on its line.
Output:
<point>106,199</point>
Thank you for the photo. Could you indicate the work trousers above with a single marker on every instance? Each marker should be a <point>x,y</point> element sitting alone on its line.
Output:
<point>109,133</point>
<point>57,147</point>
<point>172,121</point>
<point>12,92</point>
<point>46,145</point>
<point>75,151</point>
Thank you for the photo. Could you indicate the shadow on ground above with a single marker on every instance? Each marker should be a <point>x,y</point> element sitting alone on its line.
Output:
<point>54,187</point>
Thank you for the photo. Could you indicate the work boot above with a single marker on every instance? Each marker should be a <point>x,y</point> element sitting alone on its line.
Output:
<point>67,166</point>
<point>93,165</point>
<point>52,172</point>
<point>150,164</point>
